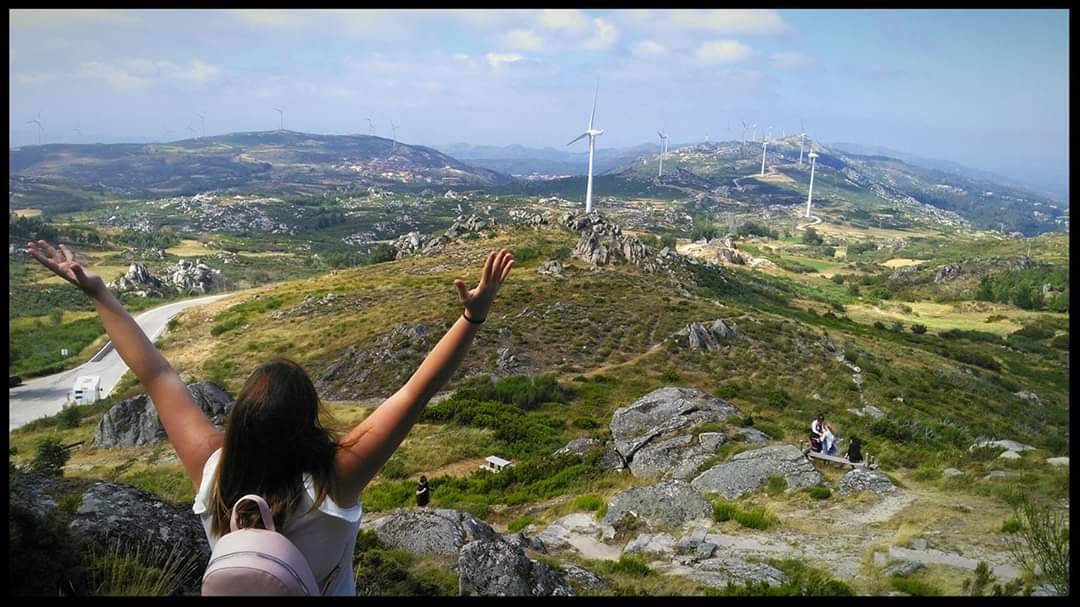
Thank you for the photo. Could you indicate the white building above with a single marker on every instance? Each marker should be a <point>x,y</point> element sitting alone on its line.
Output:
<point>495,464</point>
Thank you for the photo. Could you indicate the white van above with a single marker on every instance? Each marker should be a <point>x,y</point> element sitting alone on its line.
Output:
<point>87,390</point>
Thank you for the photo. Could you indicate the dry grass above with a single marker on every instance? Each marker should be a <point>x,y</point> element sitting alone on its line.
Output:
<point>189,248</point>
<point>26,212</point>
<point>942,317</point>
<point>901,262</point>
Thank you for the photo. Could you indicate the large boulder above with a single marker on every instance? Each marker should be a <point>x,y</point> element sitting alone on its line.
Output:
<point>135,423</point>
<point>603,242</point>
<point>660,426</point>
<point>430,531</point>
<point>665,504</point>
<point>1008,445</point>
<point>709,336</point>
<point>137,279</point>
<point>718,572</point>
<point>113,517</point>
<point>496,568</point>
<point>749,470</point>
<point>865,479</point>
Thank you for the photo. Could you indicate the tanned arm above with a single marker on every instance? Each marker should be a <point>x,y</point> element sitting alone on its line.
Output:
<point>189,430</point>
<point>371,443</point>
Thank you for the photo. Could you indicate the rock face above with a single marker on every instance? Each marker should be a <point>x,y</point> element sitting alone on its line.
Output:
<point>430,531</point>
<point>551,267</point>
<point>1008,445</point>
<point>718,572</point>
<point>139,280</point>
<point>667,503</point>
<point>751,469</point>
<point>709,336</point>
<point>415,243</point>
<point>1057,461</point>
<point>602,242</point>
<point>113,514</point>
<point>507,363</point>
<point>135,423</point>
<point>533,220</point>
<point>496,568</point>
<point>188,277</point>
<point>398,349</point>
<point>653,543</point>
<point>864,479</point>
<point>654,434</point>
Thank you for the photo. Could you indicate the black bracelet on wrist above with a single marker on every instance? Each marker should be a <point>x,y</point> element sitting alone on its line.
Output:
<point>475,322</point>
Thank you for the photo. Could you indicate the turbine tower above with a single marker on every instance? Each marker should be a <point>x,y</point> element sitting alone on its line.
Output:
<point>802,139</point>
<point>663,151</point>
<point>764,146</point>
<point>191,129</point>
<point>592,134</point>
<point>281,117</point>
<point>810,195</point>
<point>371,126</point>
<point>37,121</point>
<point>393,128</point>
<point>745,127</point>
<point>202,118</point>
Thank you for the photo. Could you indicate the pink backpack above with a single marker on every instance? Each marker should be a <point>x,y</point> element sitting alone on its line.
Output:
<point>257,562</point>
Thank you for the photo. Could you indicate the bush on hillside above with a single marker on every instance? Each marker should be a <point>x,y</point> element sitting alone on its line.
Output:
<point>50,458</point>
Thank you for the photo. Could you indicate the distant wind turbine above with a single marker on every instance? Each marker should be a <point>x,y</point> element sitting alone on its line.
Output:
<point>393,128</point>
<point>810,195</point>
<point>745,128</point>
<point>764,146</point>
<point>663,151</point>
<point>802,139</point>
<point>592,134</point>
<point>202,117</point>
<point>191,129</point>
<point>281,117</point>
<point>37,121</point>
<point>371,127</point>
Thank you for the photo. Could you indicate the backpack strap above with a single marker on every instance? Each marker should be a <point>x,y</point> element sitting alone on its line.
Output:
<point>264,510</point>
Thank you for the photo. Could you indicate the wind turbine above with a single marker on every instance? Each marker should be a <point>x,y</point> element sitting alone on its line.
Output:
<point>281,117</point>
<point>202,117</point>
<point>810,195</point>
<point>37,121</point>
<point>802,139</point>
<point>663,151</point>
<point>764,146</point>
<point>745,127</point>
<point>191,129</point>
<point>592,134</point>
<point>393,128</point>
<point>371,126</point>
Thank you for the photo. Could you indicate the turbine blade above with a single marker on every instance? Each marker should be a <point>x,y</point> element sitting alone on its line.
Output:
<point>578,138</point>
<point>597,94</point>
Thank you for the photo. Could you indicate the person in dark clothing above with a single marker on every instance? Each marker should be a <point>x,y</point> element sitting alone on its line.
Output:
<point>423,492</point>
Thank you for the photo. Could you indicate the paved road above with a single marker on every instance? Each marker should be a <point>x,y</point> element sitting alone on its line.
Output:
<point>44,396</point>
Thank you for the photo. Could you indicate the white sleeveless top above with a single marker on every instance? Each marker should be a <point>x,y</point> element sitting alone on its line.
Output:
<point>326,537</point>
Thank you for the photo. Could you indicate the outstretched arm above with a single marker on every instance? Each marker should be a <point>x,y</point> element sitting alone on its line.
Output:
<point>189,430</point>
<point>367,447</point>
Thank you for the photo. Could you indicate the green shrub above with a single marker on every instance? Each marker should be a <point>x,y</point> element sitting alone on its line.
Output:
<point>1010,525</point>
<point>524,255</point>
<point>1042,542</point>
<point>669,376</point>
<point>819,493</point>
<point>588,503</point>
<point>43,559</point>
<point>381,571</point>
<point>776,485</point>
<point>394,468</point>
<point>802,581</point>
<point>724,510</point>
<point>226,325</point>
<point>880,326</point>
<point>918,328</point>
<point>51,457</point>
<point>1034,331</point>
<point>629,565</point>
<point>1061,342</point>
<point>520,523</point>
<point>913,586</point>
<point>926,473</point>
<point>757,518</point>
<point>69,417</point>
<point>585,423</point>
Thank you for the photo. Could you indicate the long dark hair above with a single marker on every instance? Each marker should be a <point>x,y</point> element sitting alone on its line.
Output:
<point>272,437</point>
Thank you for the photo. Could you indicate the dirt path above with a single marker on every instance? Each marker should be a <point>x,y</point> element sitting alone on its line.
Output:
<point>652,349</point>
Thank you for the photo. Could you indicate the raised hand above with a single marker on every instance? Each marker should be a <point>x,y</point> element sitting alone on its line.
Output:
<point>63,264</point>
<point>477,301</point>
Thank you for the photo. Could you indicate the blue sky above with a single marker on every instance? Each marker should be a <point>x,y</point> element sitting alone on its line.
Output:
<point>986,88</point>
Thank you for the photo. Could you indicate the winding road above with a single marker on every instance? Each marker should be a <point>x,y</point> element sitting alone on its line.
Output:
<point>43,396</point>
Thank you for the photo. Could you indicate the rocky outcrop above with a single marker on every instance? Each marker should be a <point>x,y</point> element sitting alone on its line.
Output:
<point>138,280</point>
<point>653,435</point>
<point>396,350</point>
<point>507,363</point>
<point>602,242</point>
<point>437,531</point>
<point>190,277</point>
<point>720,571</point>
<point>415,243</point>
<point>522,541</point>
<point>1008,445</point>
<point>496,568</point>
<point>865,479</point>
<point>610,460</point>
<point>749,470</point>
<point>709,337</point>
<point>582,577</point>
<point>526,218</point>
<point>652,543</point>
<point>552,267</point>
<point>665,504</point>
<point>135,423</point>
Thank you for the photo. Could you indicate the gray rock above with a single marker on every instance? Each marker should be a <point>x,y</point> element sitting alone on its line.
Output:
<point>704,550</point>
<point>708,337</point>
<point>552,267</point>
<point>667,503</point>
<point>718,572</point>
<point>135,423</point>
<point>437,531</point>
<point>1031,397</point>
<point>688,543</point>
<point>903,568</point>
<point>950,472</point>
<point>1057,461</point>
<point>711,441</point>
<point>918,543</point>
<point>602,242</point>
<point>753,435</point>
<point>659,419</point>
<point>1009,455</point>
<point>1009,445</point>
<point>865,479</point>
<point>580,446</point>
<point>507,363</point>
<point>751,469</point>
<point>496,568</point>
<point>655,543</point>
<point>520,540</point>
<point>583,577</point>
<point>997,474</point>
<point>137,278</point>
<point>113,514</point>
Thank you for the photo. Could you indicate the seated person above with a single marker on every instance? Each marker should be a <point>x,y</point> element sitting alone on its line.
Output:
<point>817,431</point>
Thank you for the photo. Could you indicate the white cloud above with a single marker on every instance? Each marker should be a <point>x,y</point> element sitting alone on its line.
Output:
<point>738,21</point>
<point>269,17</point>
<point>604,36</point>
<point>523,40</point>
<point>571,20</point>
<point>116,77</point>
<point>722,51</point>
<point>461,57</point>
<point>649,48</point>
<point>787,60</point>
<point>496,60</point>
<point>57,17</point>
